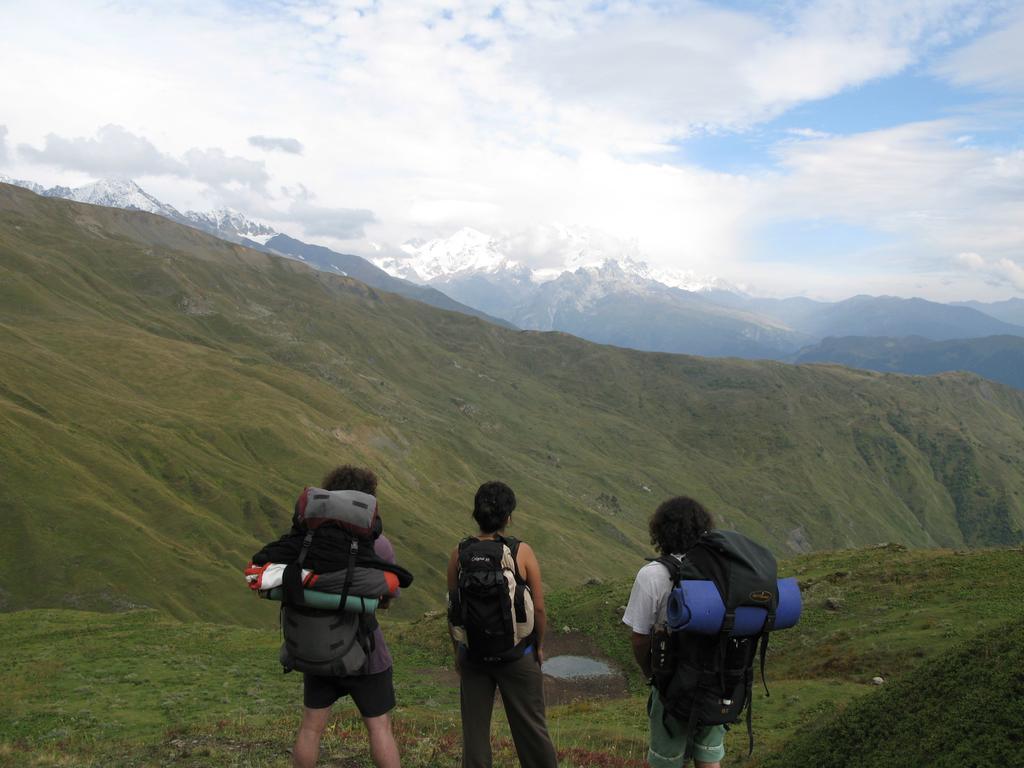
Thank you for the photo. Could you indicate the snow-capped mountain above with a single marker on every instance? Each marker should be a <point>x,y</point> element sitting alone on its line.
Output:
<point>116,193</point>
<point>585,282</point>
<point>39,189</point>
<point>558,249</point>
<point>468,251</point>
<point>225,222</point>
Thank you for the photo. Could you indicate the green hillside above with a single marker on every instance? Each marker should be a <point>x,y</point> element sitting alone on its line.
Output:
<point>164,396</point>
<point>964,709</point>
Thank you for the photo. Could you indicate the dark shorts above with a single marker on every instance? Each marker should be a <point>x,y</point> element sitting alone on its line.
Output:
<point>374,695</point>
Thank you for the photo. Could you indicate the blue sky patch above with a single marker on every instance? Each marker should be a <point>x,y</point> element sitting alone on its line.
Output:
<point>821,241</point>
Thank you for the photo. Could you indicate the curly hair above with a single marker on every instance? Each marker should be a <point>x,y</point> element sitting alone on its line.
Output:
<point>349,477</point>
<point>677,524</point>
<point>493,503</point>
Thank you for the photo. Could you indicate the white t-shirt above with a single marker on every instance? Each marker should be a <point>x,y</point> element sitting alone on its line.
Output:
<point>647,601</point>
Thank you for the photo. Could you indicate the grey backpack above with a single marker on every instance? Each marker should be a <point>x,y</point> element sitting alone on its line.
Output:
<point>333,643</point>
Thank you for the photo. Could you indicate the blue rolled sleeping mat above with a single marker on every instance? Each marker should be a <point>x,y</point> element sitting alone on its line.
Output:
<point>696,606</point>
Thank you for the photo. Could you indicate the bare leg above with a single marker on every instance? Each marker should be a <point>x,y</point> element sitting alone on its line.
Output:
<point>699,764</point>
<point>383,748</point>
<point>307,743</point>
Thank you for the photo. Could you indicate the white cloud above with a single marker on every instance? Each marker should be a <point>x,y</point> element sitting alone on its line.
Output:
<point>680,67</point>
<point>999,271</point>
<point>970,260</point>
<point>277,144</point>
<point>418,118</point>
<point>115,152</point>
<point>119,153</point>
<point>335,223</point>
<point>993,62</point>
<point>915,181</point>
<point>3,143</point>
<point>214,166</point>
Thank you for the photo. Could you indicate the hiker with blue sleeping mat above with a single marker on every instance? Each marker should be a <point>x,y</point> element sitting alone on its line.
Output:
<point>331,572</point>
<point>497,622</point>
<point>700,615</point>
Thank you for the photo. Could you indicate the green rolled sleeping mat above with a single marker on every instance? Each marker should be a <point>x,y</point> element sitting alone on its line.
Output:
<point>327,601</point>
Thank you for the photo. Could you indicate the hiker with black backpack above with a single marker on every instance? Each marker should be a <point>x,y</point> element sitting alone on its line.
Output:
<point>701,675</point>
<point>335,555</point>
<point>497,622</point>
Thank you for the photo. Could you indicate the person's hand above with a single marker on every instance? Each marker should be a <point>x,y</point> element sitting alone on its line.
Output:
<point>254,575</point>
<point>539,654</point>
<point>457,655</point>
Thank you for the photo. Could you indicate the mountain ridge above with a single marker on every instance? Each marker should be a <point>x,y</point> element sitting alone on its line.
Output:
<point>998,358</point>
<point>328,260</point>
<point>603,291</point>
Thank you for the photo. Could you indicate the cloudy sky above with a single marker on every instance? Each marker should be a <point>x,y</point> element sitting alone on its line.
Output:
<point>797,147</point>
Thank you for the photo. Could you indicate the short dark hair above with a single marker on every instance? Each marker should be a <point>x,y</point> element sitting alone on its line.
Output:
<point>493,503</point>
<point>677,524</point>
<point>349,477</point>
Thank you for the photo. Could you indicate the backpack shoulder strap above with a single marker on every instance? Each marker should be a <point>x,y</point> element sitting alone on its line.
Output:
<point>291,579</point>
<point>672,565</point>
<point>513,547</point>
<point>509,541</point>
<point>306,542</point>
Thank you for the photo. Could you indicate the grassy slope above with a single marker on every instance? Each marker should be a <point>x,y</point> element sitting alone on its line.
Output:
<point>898,611</point>
<point>164,395</point>
<point>964,709</point>
<point>85,688</point>
<point>897,607</point>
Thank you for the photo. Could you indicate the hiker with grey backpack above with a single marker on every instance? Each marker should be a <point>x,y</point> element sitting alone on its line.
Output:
<point>497,621</point>
<point>331,572</point>
<point>700,615</point>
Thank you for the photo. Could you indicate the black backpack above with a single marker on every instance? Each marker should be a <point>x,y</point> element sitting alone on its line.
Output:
<point>320,642</point>
<point>708,680</point>
<point>491,610</point>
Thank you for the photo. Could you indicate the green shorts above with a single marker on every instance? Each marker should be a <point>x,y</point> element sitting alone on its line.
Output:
<point>672,748</point>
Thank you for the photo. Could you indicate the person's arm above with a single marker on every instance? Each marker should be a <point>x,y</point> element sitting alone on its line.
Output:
<point>642,652</point>
<point>453,584</point>
<point>641,612</point>
<point>530,570</point>
<point>385,550</point>
<point>285,550</point>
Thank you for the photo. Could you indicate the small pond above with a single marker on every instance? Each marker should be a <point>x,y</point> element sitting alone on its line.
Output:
<point>575,667</point>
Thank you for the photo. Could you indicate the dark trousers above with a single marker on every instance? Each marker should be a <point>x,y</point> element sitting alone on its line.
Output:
<point>522,692</point>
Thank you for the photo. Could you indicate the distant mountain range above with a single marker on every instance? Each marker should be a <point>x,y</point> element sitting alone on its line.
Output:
<point>595,288</point>
<point>1009,311</point>
<point>1000,358</point>
<point>615,298</point>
